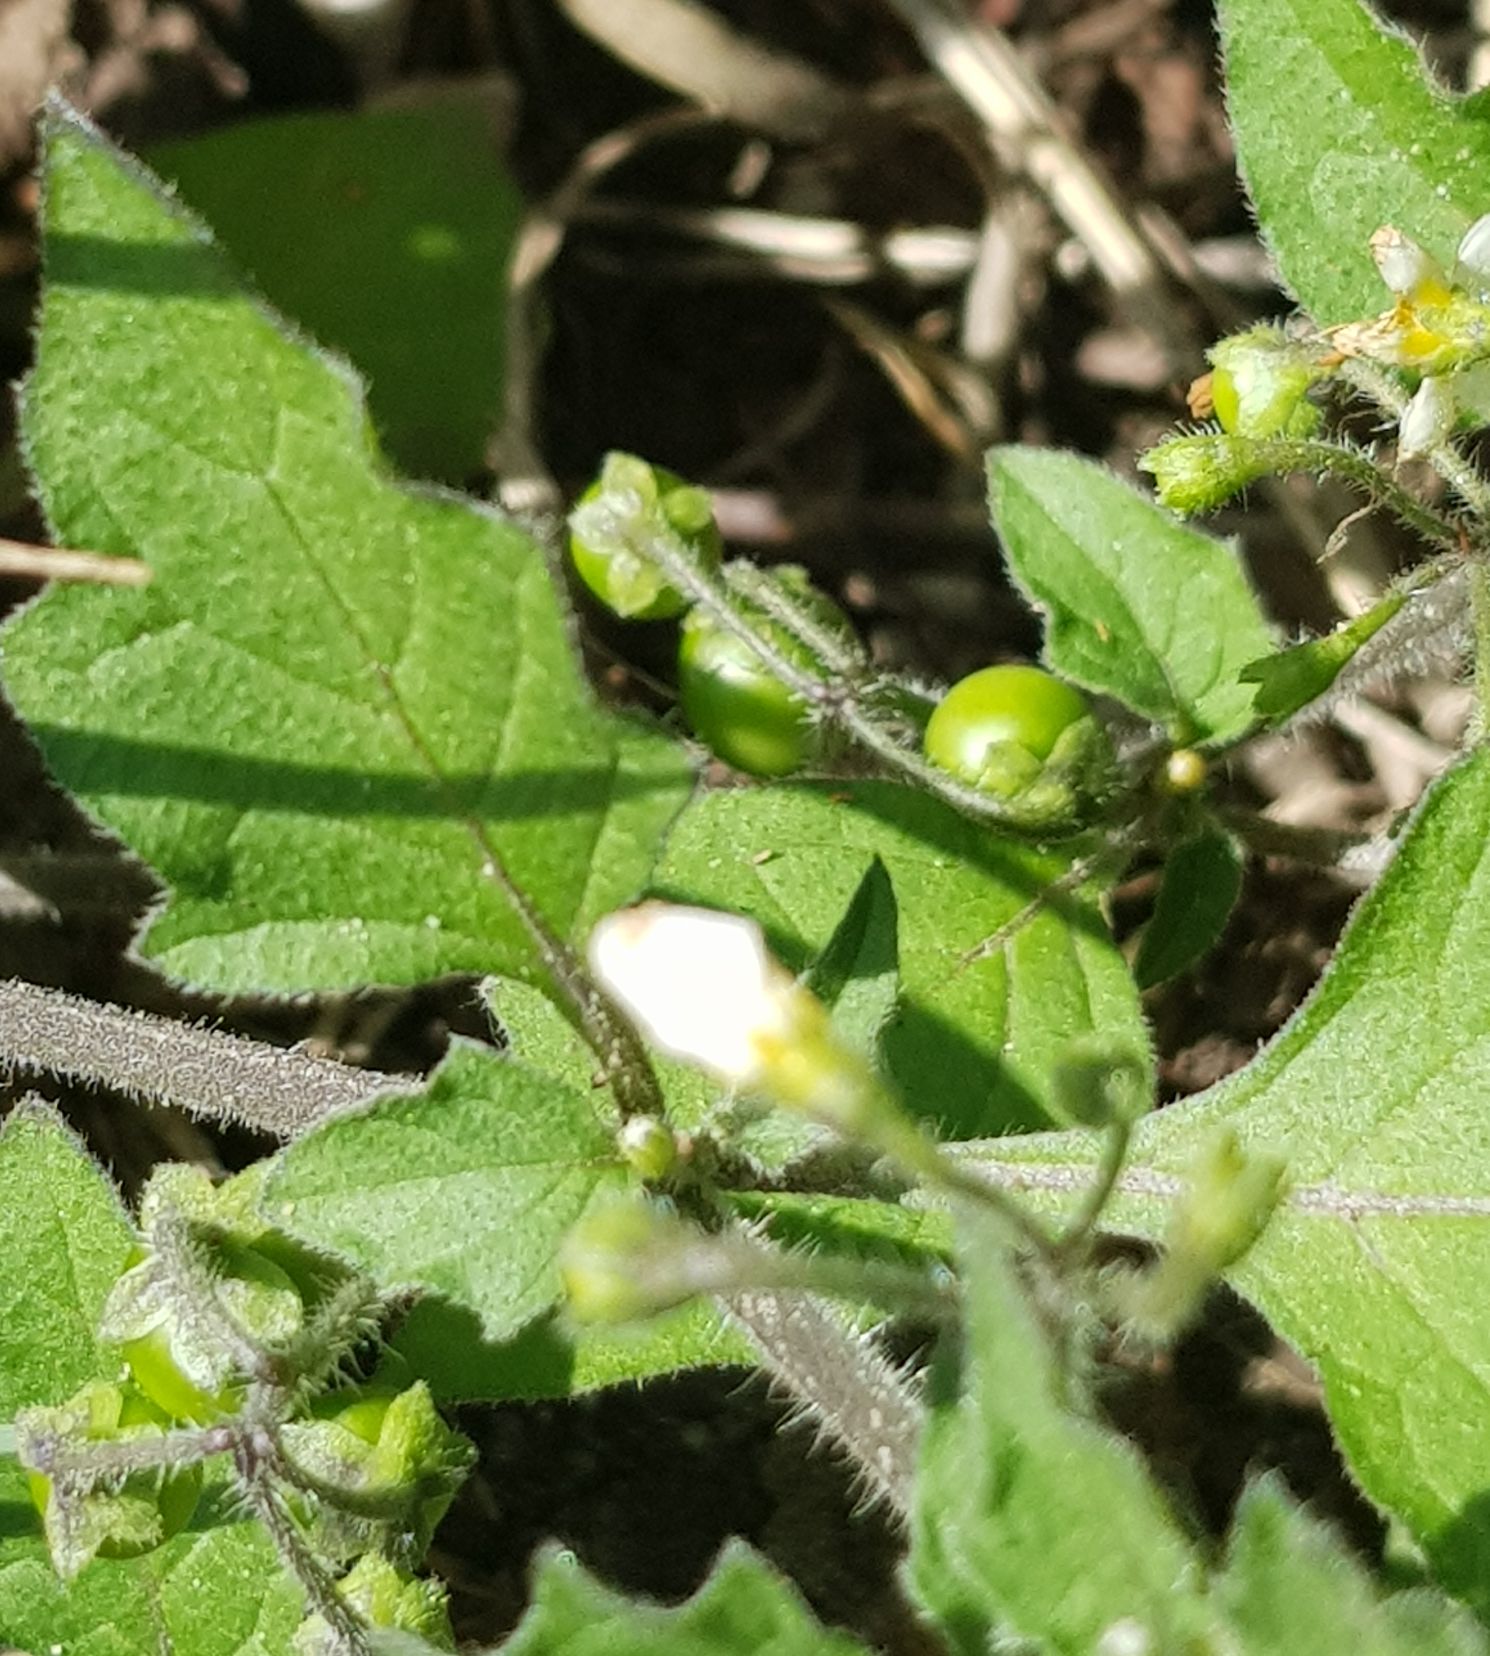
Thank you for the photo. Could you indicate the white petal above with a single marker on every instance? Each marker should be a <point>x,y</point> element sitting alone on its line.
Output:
<point>1404,266</point>
<point>700,984</point>
<point>1428,418</point>
<point>1474,249</point>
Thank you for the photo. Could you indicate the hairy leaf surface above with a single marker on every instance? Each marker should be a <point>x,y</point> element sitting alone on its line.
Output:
<point>341,703</point>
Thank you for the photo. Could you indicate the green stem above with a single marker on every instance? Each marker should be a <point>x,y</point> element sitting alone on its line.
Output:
<point>1382,388</point>
<point>833,698</point>
<point>837,654</point>
<point>1114,1155</point>
<point>1356,467</point>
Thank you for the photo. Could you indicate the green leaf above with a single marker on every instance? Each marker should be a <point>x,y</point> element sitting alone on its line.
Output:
<point>339,700</point>
<point>386,235</point>
<point>64,1238</point>
<point>1294,677</point>
<point>744,1606</point>
<point>1289,1585</point>
<point>858,972</point>
<point>465,1189</point>
<point>212,1591</point>
<point>1136,605</point>
<point>1202,878</point>
<point>1339,130</point>
<point>1374,1266</point>
<point>852,1225</point>
<point>538,1033</point>
<point>998,971</point>
<point>445,1345</point>
<point>696,1335</point>
<point>1031,1520</point>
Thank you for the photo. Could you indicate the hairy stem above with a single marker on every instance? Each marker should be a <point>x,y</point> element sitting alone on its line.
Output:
<point>1384,390</point>
<point>1479,609</point>
<point>856,1397</point>
<point>835,700</point>
<point>1355,466</point>
<point>205,1072</point>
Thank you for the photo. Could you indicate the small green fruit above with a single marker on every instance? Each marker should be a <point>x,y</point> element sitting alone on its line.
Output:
<point>148,1508</point>
<point>750,719</point>
<point>1023,737</point>
<point>626,502</point>
<point>997,706</point>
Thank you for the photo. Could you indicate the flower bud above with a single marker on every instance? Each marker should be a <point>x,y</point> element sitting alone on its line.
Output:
<point>1474,249</point>
<point>631,1259</point>
<point>699,984</point>
<point>1101,1084</point>
<point>1201,471</point>
<point>1406,269</point>
<point>648,1148</point>
<point>1229,1197</point>
<point>1428,419</point>
<point>702,986</point>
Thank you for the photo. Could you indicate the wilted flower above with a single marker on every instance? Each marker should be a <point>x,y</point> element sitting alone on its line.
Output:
<point>1436,325</point>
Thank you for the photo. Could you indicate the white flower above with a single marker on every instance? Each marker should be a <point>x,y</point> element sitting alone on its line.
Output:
<point>699,984</point>
<point>1405,267</point>
<point>1428,418</point>
<point>1474,249</point>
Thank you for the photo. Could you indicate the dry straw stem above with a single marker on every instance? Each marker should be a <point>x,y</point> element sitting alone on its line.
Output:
<point>49,563</point>
<point>1026,130</point>
<point>696,53</point>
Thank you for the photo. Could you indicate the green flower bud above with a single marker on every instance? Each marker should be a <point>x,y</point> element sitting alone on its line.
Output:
<point>628,1260</point>
<point>1230,1195</point>
<point>384,1596</point>
<point>648,1148</point>
<point>1202,470</point>
<point>1099,1083</point>
<point>1428,420</point>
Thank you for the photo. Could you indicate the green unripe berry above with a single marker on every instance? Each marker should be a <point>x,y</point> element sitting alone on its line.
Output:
<point>998,705</point>
<point>750,719</point>
<point>1260,385</point>
<point>1024,737</point>
<point>627,502</point>
<point>730,696</point>
<point>263,1299</point>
